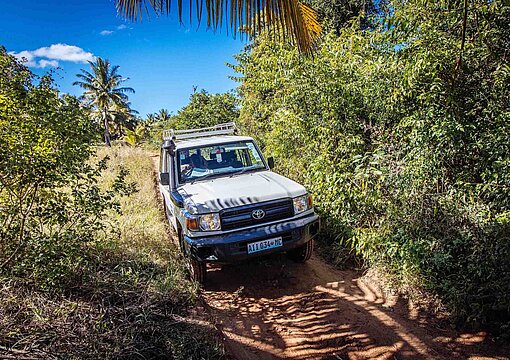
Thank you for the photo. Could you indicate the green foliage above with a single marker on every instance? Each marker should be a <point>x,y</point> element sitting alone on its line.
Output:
<point>335,13</point>
<point>137,301</point>
<point>136,136</point>
<point>206,109</point>
<point>401,134</point>
<point>50,205</point>
<point>203,110</point>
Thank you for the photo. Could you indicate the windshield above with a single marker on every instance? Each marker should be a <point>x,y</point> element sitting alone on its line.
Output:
<point>218,160</point>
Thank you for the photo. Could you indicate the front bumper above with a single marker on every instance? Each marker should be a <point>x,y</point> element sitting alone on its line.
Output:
<point>232,247</point>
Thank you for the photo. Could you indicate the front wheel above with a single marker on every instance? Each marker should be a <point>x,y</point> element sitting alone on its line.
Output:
<point>197,269</point>
<point>302,253</point>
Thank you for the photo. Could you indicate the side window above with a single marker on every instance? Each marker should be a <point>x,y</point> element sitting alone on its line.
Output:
<point>253,154</point>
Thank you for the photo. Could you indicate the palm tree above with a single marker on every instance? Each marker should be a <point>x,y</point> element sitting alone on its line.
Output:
<point>151,118</point>
<point>163,115</point>
<point>292,18</point>
<point>103,91</point>
<point>123,117</point>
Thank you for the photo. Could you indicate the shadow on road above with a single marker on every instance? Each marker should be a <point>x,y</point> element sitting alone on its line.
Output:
<point>274,308</point>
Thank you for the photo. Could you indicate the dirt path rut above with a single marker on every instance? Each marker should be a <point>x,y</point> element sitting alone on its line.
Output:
<point>273,308</point>
<point>276,309</point>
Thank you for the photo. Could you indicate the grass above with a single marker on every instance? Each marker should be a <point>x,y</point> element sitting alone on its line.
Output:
<point>144,232</point>
<point>136,302</point>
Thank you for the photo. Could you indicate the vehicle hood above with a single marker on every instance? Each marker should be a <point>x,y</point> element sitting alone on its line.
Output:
<point>213,195</point>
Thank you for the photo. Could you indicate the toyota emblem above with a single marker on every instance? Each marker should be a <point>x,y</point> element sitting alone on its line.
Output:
<point>258,214</point>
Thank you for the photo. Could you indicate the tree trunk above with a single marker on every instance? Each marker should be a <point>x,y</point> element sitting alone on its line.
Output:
<point>106,130</point>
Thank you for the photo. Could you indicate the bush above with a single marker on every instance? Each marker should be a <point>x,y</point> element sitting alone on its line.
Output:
<point>91,281</point>
<point>402,139</point>
<point>51,208</point>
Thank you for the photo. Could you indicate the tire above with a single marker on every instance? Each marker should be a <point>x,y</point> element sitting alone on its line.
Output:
<point>303,253</point>
<point>197,270</point>
<point>180,237</point>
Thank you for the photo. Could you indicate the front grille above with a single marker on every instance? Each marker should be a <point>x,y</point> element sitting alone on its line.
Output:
<point>239,217</point>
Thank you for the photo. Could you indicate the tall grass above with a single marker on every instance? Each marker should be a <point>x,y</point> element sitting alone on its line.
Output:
<point>135,301</point>
<point>143,231</point>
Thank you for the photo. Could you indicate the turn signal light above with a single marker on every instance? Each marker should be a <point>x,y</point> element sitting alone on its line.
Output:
<point>192,223</point>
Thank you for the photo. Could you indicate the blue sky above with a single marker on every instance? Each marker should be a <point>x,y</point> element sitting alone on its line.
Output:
<point>162,59</point>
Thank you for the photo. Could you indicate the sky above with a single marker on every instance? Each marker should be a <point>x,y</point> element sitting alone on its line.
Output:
<point>163,59</point>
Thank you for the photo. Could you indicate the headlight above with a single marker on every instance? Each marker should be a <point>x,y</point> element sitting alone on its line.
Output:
<point>302,203</point>
<point>209,222</point>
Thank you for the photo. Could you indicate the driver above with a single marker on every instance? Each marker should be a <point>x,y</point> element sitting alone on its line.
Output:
<point>196,161</point>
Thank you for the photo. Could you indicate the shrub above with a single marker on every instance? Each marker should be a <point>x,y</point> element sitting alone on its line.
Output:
<point>400,132</point>
<point>51,208</point>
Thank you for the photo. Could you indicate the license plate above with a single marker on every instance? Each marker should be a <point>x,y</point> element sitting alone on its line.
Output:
<point>264,245</point>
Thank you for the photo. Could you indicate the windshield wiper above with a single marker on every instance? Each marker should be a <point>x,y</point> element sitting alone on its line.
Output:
<point>203,177</point>
<point>243,170</point>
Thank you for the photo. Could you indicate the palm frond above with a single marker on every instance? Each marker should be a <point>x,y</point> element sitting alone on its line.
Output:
<point>85,85</point>
<point>293,18</point>
<point>85,75</point>
<point>124,90</point>
<point>114,69</point>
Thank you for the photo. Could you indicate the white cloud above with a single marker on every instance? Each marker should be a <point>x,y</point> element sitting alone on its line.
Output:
<point>23,54</point>
<point>51,55</point>
<point>109,32</point>
<point>64,52</point>
<point>26,56</point>
<point>47,63</point>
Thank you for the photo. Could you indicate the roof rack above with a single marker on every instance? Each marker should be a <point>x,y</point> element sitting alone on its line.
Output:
<point>220,129</point>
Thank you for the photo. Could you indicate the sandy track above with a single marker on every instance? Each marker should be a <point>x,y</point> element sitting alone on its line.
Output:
<point>276,309</point>
<point>273,308</point>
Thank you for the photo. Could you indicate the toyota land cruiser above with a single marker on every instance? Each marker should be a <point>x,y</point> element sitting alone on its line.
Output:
<point>225,203</point>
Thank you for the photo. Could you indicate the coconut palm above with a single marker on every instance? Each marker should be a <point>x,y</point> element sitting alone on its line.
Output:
<point>292,18</point>
<point>103,90</point>
<point>163,115</point>
<point>150,118</point>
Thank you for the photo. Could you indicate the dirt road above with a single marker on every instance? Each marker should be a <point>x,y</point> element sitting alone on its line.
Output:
<point>277,309</point>
<point>274,308</point>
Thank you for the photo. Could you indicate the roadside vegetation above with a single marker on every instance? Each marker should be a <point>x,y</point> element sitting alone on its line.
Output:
<point>203,110</point>
<point>399,125</point>
<point>88,269</point>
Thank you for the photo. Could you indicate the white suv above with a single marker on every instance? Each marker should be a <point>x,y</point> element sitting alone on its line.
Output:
<point>225,203</point>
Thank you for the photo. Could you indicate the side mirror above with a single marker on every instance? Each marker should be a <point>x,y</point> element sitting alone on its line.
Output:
<point>270,162</point>
<point>164,178</point>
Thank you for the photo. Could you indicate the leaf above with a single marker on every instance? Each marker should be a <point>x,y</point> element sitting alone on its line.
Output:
<point>293,18</point>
